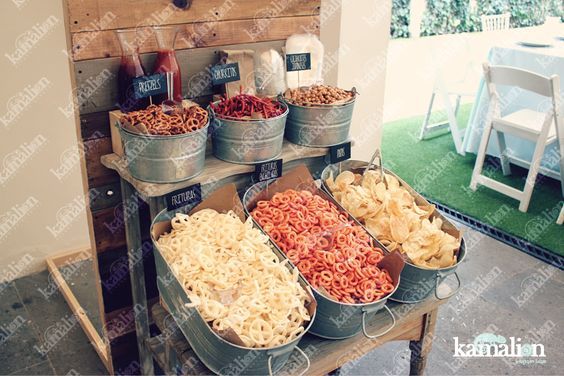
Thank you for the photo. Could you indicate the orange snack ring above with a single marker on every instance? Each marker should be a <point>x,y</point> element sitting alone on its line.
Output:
<point>330,250</point>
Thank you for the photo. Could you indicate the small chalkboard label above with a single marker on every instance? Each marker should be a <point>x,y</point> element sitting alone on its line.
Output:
<point>221,74</point>
<point>298,62</point>
<point>146,86</point>
<point>339,153</point>
<point>268,170</point>
<point>182,197</point>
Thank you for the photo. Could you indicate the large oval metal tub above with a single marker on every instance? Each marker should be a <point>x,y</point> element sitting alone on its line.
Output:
<point>417,283</point>
<point>248,141</point>
<point>219,355</point>
<point>334,320</point>
<point>164,159</point>
<point>319,126</point>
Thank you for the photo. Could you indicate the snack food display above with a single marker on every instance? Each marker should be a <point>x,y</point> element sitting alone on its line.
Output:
<point>247,107</point>
<point>234,278</point>
<point>155,121</point>
<point>394,218</point>
<point>333,253</point>
<point>318,94</point>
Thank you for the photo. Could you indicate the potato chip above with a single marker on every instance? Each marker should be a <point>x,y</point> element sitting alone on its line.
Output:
<point>392,215</point>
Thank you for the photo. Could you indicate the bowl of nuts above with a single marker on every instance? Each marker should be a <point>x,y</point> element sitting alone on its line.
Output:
<point>320,115</point>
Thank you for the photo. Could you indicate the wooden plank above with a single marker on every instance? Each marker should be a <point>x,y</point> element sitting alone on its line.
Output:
<point>98,174</point>
<point>115,281</point>
<point>100,44</point>
<point>105,196</point>
<point>325,355</point>
<point>99,345</point>
<point>96,96</point>
<point>93,15</point>
<point>94,125</point>
<point>215,169</point>
<point>109,226</point>
<point>85,187</point>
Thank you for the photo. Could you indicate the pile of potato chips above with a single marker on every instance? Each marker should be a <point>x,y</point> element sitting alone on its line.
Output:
<point>393,217</point>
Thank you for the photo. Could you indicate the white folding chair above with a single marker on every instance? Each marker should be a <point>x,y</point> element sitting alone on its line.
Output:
<point>541,128</point>
<point>560,219</point>
<point>495,22</point>
<point>445,94</point>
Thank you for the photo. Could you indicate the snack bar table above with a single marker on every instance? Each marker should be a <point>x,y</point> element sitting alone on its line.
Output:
<point>415,323</point>
<point>215,174</point>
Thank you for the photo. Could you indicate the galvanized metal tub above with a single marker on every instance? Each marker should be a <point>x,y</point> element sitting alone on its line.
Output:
<point>164,159</point>
<point>319,125</point>
<point>248,141</point>
<point>417,283</point>
<point>218,354</point>
<point>334,320</point>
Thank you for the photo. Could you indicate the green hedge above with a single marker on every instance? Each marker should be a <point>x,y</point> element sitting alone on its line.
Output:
<point>455,16</point>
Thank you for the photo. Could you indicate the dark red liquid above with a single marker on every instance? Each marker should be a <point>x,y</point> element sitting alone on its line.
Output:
<point>130,67</point>
<point>166,62</point>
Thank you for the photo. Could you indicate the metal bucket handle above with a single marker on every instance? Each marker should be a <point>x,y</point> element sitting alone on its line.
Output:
<point>366,311</point>
<point>300,351</point>
<point>440,278</point>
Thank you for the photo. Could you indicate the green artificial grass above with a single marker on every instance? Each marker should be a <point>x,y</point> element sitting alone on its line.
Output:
<point>433,168</point>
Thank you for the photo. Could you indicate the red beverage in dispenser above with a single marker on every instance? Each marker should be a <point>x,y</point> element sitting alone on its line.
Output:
<point>130,68</point>
<point>166,62</point>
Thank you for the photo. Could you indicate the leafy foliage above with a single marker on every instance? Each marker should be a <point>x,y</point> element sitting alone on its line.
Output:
<point>457,16</point>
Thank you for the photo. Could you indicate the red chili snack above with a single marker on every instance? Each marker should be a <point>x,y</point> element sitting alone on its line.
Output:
<point>247,107</point>
<point>331,251</point>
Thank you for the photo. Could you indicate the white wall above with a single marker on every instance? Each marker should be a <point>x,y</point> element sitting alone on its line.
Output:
<point>363,41</point>
<point>40,213</point>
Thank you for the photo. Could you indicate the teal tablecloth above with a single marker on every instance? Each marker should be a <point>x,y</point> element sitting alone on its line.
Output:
<point>543,60</point>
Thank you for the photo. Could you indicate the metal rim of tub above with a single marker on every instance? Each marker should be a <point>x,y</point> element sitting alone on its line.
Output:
<point>271,351</point>
<point>366,308</point>
<point>442,273</point>
<point>316,106</point>
<point>215,116</point>
<point>164,137</point>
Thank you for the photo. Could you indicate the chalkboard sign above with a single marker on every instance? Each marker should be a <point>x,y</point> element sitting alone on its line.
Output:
<point>183,197</point>
<point>339,153</point>
<point>298,62</point>
<point>221,74</point>
<point>268,170</point>
<point>146,86</point>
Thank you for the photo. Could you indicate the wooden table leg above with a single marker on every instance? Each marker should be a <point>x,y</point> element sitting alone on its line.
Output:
<point>420,349</point>
<point>137,274</point>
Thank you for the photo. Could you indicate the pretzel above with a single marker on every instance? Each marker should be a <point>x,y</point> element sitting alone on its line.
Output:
<point>179,121</point>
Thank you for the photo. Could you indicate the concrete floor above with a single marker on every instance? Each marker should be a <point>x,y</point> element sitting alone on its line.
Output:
<point>479,307</point>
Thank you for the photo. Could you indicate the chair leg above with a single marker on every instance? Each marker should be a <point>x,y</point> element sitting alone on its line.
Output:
<point>481,156</point>
<point>423,131</point>
<point>505,167</point>
<point>453,124</point>
<point>560,219</point>
<point>561,151</point>
<point>457,106</point>
<point>532,175</point>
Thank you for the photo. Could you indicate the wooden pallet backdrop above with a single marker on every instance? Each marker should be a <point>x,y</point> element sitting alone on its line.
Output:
<point>206,27</point>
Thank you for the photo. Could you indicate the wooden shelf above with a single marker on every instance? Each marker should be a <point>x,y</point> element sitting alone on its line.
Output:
<point>214,169</point>
<point>413,324</point>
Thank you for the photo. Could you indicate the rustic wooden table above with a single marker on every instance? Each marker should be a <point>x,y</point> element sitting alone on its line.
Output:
<point>415,323</point>
<point>216,173</point>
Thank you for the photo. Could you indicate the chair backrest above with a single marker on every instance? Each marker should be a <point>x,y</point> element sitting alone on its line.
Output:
<point>495,22</point>
<point>526,80</point>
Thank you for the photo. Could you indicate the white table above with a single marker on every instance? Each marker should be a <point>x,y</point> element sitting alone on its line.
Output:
<point>543,60</point>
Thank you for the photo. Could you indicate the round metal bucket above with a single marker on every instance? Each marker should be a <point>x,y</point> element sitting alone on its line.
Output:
<point>334,320</point>
<point>248,141</point>
<point>219,355</point>
<point>319,126</point>
<point>417,283</point>
<point>164,159</point>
